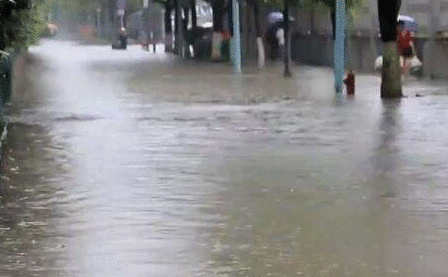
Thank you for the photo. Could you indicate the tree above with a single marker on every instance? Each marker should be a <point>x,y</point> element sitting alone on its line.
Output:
<point>194,16</point>
<point>168,6</point>
<point>180,25</point>
<point>255,4</point>
<point>387,14</point>
<point>168,26</point>
<point>17,22</point>
<point>391,73</point>
<point>286,5</point>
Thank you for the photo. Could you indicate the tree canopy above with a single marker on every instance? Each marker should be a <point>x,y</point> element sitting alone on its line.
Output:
<point>17,23</point>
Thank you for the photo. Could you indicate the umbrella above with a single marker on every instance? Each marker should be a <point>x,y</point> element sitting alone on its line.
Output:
<point>275,17</point>
<point>410,23</point>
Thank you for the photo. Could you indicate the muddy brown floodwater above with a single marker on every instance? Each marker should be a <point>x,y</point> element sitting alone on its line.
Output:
<point>127,163</point>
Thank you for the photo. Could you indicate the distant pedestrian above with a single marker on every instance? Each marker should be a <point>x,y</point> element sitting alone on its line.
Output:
<point>144,40</point>
<point>122,36</point>
<point>406,49</point>
<point>281,42</point>
<point>272,41</point>
<point>153,41</point>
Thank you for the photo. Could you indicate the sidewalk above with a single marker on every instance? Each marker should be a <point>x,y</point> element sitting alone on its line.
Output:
<point>170,78</point>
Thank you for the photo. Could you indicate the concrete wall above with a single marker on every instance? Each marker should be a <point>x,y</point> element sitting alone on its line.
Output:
<point>312,49</point>
<point>361,51</point>
<point>312,41</point>
<point>312,36</point>
<point>436,68</point>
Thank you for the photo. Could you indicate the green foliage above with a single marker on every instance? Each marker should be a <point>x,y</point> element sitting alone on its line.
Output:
<point>17,21</point>
<point>27,29</point>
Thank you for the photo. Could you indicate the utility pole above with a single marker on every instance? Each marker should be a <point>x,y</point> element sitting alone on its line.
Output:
<point>339,51</point>
<point>287,46</point>
<point>145,19</point>
<point>98,20</point>
<point>236,45</point>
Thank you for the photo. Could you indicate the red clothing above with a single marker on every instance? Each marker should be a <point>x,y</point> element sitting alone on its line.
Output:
<point>405,42</point>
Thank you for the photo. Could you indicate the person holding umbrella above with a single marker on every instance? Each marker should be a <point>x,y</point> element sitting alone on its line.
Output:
<point>280,35</point>
<point>407,27</point>
<point>405,46</point>
<point>273,32</point>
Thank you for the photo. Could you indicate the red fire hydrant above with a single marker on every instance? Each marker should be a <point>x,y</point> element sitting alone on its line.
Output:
<point>349,82</point>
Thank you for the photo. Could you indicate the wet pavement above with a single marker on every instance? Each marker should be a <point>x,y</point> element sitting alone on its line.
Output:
<point>129,163</point>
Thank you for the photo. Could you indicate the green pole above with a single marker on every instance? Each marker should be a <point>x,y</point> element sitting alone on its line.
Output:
<point>339,51</point>
<point>236,47</point>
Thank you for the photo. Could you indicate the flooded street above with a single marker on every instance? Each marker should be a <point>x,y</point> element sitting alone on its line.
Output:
<point>128,163</point>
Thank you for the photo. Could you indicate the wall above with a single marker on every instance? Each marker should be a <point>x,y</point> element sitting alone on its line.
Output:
<point>315,49</point>
<point>312,32</point>
<point>436,67</point>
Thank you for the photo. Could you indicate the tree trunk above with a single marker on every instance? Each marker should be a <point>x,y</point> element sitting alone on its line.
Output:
<point>218,12</point>
<point>333,19</point>
<point>259,35</point>
<point>177,26</point>
<point>184,45</point>
<point>194,15</point>
<point>2,36</point>
<point>168,28</point>
<point>218,27</point>
<point>258,31</point>
<point>247,35</point>
<point>287,72</point>
<point>391,72</point>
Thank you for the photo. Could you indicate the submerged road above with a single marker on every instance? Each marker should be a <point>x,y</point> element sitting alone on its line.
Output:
<point>128,163</point>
